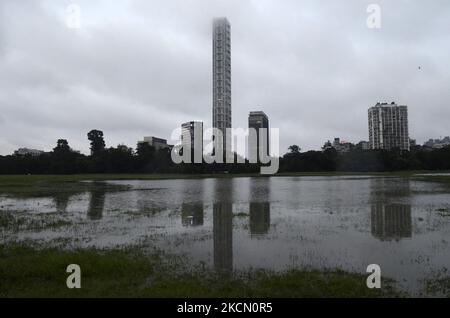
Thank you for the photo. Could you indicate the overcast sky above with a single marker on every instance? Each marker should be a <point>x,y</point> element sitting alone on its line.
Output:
<point>141,68</point>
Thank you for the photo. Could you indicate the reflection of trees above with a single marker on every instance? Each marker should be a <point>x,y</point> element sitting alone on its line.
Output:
<point>259,218</point>
<point>391,221</point>
<point>96,204</point>
<point>223,225</point>
<point>223,236</point>
<point>192,214</point>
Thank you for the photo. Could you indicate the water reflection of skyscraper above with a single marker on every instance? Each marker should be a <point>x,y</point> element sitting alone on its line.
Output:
<point>223,225</point>
<point>192,214</point>
<point>259,207</point>
<point>390,221</point>
<point>223,236</point>
<point>259,218</point>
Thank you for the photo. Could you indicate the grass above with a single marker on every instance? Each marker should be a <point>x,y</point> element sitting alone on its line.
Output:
<point>27,179</point>
<point>15,222</point>
<point>27,271</point>
<point>30,185</point>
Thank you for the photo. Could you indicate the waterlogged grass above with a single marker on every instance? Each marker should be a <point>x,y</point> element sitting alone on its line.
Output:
<point>434,178</point>
<point>16,180</point>
<point>38,185</point>
<point>16,221</point>
<point>32,272</point>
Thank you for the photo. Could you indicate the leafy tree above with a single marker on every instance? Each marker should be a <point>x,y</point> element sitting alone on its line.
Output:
<point>62,146</point>
<point>145,156</point>
<point>294,149</point>
<point>97,141</point>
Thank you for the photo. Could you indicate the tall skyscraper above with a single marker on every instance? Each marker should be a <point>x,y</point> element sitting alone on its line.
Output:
<point>222,80</point>
<point>388,127</point>
<point>192,137</point>
<point>258,120</point>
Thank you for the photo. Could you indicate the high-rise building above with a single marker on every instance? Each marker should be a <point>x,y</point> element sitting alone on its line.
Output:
<point>222,81</point>
<point>192,137</point>
<point>388,127</point>
<point>258,120</point>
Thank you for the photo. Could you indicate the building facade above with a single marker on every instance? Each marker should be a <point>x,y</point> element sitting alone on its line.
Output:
<point>258,120</point>
<point>338,145</point>
<point>28,152</point>
<point>388,127</point>
<point>222,81</point>
<point>192,137</point>
<point>157,143</point>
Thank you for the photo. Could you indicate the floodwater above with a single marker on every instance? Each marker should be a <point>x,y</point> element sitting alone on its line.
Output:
<point>275,223</point>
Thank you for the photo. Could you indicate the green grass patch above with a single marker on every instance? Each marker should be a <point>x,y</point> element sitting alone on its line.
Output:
<point>27,271</point>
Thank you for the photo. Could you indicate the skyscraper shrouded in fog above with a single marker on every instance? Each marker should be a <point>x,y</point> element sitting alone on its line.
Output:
<point>222,80</point>
<point>388,127</point>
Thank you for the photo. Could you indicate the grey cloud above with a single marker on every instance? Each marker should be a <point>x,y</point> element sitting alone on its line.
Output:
<point>140,68</point>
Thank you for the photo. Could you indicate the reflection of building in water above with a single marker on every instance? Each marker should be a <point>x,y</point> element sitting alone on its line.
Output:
<point>96,204</point>
<point>259,198</point>
<point>259,217</point>
<point>382,189</point>
<point>223,236</point>
<point>391,221</point>
<point>192,214</point>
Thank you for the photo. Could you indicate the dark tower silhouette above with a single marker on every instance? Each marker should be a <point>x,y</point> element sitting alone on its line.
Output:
<point>223,226</point>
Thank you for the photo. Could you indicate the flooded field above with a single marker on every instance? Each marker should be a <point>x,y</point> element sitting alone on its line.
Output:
<point>233,224</point>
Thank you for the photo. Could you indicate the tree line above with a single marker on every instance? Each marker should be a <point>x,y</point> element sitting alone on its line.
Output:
<point>146,159</point>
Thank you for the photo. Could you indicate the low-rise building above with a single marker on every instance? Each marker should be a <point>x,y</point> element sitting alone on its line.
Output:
<point>157,143</point>
<point>438,143</point>
<point>338,145</point>
<point>388,126</point>
<point>27,151</point>
<point>363,145</point>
